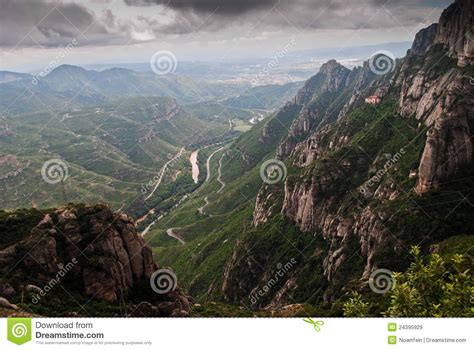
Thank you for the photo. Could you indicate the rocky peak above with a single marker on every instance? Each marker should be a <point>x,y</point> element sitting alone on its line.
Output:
<point>455,30</point>
<point>423,40</point>
<point>105,254</point>
<point>318,93</point>
<point>329,67</point>
<point>332,68</point>
<point>335,75</point>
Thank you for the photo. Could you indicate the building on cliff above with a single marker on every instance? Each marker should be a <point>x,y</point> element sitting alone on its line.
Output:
<point>373,100</point>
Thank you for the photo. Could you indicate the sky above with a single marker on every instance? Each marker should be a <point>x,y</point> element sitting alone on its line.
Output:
<point>34,33</point>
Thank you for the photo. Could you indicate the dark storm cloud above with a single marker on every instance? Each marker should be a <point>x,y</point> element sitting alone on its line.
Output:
<point>306,14</point>
<point>238,7</point>
<point>222,7</point>
<point>426,3</point>
<point>49,23</point>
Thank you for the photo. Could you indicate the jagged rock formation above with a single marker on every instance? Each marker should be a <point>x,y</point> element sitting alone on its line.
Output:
<point>431,88</point>
<point>101,253</point>
<point>455,31</point>
<point>265,206</point>
<point>449,142</point>
<point>316,103</point>
<point>442,99</point>
<point>172,109</point>
<point>423,40</point>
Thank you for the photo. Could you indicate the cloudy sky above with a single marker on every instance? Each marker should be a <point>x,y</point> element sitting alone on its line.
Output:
<point>34,32</point>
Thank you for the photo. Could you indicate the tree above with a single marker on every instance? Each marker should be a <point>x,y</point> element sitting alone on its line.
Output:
<point>356,306</point>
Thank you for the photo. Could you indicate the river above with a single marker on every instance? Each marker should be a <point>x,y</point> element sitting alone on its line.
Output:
<point>193,158</point>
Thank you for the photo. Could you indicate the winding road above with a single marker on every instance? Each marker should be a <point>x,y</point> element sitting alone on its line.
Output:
<point>208,177</point>
<point>208,164</point>
<point>206,203</point>
<point>170,233</point>
<point>163,170</point>
<point>219,177</point>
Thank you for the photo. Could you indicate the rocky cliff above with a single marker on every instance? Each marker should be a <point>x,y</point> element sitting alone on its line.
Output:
<point>423,40</point>
<point>455,31</point>
<point>442,96</point>
<point>351,175</point>
<point>318,105</point>
<point>85,250</point>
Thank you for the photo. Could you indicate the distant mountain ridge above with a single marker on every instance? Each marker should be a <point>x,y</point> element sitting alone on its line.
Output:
<point>76,86</point>
<point>7,76</point>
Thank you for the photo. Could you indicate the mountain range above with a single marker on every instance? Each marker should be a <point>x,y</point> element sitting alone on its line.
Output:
<point>294,216</point>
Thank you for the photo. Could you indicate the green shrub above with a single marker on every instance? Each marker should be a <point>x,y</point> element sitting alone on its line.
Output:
<point>439,287</point>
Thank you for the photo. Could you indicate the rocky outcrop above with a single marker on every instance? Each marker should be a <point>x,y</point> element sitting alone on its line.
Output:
<point>265,206</point>
<point>286,114</point>
<point>455,31</point>
<point>361,79</point>
<point>437,92</point>
<point>4,303</point>
<point>444,101</point>
<point>316,110</point>
<point>449,145</point>
<point>97,252</point>
<point>423,40</point>
<point>172,109</point>
<point>335,76</point>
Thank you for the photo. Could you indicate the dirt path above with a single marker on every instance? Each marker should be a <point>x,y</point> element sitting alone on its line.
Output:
<point>163,170</point>
<point>206,203</point>
<point>208,164</point>
<point>219,177</point>
<point>170,233</point>
<point>208,177</point>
